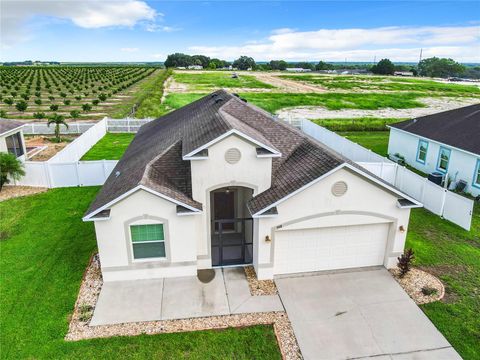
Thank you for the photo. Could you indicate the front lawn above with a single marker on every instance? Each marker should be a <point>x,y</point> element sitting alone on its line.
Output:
<point>452,254</point>
<point>45,248</point>
<point>367,123</point>
<point>110,147</point>
<point>216,80</point>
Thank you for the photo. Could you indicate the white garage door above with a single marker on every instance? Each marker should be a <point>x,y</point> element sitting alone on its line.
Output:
<point>330,248</point>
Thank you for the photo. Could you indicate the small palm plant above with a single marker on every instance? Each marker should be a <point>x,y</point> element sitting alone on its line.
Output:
<point>10,168</point>
<point>57,120</point>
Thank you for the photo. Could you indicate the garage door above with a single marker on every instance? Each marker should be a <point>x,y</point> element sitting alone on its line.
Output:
<point>330,248</point>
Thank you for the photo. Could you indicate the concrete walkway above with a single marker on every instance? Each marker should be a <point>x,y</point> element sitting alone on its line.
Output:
<point>179,298</point>
<point>359,315</point>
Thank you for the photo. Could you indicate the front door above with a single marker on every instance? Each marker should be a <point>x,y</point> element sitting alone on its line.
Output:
<point>224,208</point>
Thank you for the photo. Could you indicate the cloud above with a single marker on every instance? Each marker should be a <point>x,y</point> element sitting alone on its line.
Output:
<point>88,14</point>
<point>129,50</point>
<point>158,56</point>
<point>358,44</point>
<point>152,27</point>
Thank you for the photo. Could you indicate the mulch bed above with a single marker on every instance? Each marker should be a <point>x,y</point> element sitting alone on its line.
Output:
<point>79,328</point>
<point>421,286</point>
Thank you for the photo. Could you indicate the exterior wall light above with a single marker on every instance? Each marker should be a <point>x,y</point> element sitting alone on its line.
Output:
<point>401,229</point>
<point>267,239</point>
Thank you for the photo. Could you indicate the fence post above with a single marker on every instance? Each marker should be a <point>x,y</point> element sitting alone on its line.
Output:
<point>128,124</point>
<point>104,170</point>
<point>444,198</point>
<point>77,173</point>
<point>48,175</point>
<point>422,194</point>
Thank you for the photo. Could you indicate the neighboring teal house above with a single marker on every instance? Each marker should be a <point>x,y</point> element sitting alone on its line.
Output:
<point>447,143</point>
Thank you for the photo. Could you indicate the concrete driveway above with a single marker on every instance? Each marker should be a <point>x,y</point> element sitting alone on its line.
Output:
<point>359,315</point>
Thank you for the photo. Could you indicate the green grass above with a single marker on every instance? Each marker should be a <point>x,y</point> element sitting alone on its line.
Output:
<point>148,93</point>
<point>45,248</point>
<point>273,102</point>
<point>210,81</point>
<point>377,141</point>
<point>383,83</point>
<point>110,147</point>
<point>357,124</point>
<point>452,254</point>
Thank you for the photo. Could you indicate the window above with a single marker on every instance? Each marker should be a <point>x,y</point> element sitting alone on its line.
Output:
<point>148,241</point>
<point>476,175</point>
<point>14,144</point>
<point>422,151</point>
<point>443,159</point>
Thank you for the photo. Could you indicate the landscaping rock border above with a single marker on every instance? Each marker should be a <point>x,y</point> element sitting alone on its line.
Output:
<point>259,287</point>
<point>79,328</point>
<point>415,280</point>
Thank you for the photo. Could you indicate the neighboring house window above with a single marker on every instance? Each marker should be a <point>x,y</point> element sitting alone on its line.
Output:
<point>476,175</point>
<point>14,144</point>
<point>443,159</point>
<point>148,241</point>
<point>422,151</point>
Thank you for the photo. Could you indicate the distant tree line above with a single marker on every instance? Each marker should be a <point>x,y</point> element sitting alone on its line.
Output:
<point>431,67</point>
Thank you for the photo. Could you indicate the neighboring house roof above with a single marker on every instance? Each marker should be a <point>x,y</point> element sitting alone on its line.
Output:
<point>156,160</point>
<point>8,125</point>
<point>459,128</point>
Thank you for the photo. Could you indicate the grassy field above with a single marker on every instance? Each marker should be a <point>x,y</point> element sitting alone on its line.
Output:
<point>273,102</point>
<point>110,147</point>
<point>357,124</point>
<point>212,81</point>
<point>45,248</point>
<point>383,83</point>
<point>452,254</point>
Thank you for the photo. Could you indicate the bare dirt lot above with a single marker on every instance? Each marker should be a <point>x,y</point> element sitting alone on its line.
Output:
<point>51,147</point>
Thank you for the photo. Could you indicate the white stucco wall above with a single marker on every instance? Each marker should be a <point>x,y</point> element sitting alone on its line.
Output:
<point>113,238</point>
<point>3,142</point>
<point>215,172</point>
<point>374,204</point>
<point>461,164</point>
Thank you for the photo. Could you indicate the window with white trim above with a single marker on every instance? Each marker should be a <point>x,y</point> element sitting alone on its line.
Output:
<point>476,175</point>
<point>148,241</point>
<point>422,151</point>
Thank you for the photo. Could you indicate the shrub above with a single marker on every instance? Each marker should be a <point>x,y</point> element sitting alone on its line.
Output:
<point>3,114</point>
<point>66,102</point>
<point>54,107</point>
<point>95,102</point>
<point>38,101</point>
<point>39,115</point>
<point>10,168</point>
<point>74,114</point>
<point>86,312</point>
<point>21,105</point>
<point>86,107</point>
<point>8,101</point>
<point>102,97</point>
<point>405,261</point>
<point>427,291</point>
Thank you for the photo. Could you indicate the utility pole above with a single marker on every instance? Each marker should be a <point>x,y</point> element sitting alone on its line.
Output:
<point>374,59</point>
<point>421,51</point>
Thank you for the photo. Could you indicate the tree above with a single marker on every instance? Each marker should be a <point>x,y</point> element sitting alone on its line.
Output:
<point>74,114</point>
<point>102,97</point>
<point>57,120</point>
<point>95,102</point>
<point>39,115</point>
<point>54,107</point>
<point>86,107</point>
<point>244,63</point>
<point>8,101</point>
<point>322,65</point>
<point>200,60</point>
<point>383,67</point>
<point>440,67</point>
<point>21,105</point>
<point>178,59</point>
<point>278,64</point>
<point>10,168</point>
<point>38,101</point>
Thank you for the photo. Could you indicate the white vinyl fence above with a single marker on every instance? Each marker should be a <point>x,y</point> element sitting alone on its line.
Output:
<point>456,208</point>
<point>113,125</point>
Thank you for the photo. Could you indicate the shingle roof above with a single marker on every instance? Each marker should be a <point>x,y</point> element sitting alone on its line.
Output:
<point>154,159</point>
<point>7,125</point>
<point>458,127</point>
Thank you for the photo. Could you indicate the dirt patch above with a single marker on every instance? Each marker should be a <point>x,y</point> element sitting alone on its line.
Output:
<point>79,328</point>
<point>433,105</point>
<point>51,148</point>
<point>446,270</point>
<point>259,287</point>
<point>286,85</point>
<point>12,191</point>
<point>420,285</point>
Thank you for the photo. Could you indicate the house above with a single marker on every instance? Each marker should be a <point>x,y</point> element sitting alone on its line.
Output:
<point>298,70</point>
<point>11,138</point>
<point>403,73</point>
<point>195,67</point>
<point>220,182</point>
<point>446,142</point>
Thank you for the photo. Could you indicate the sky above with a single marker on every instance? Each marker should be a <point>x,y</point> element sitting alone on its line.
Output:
<point>139,30</point>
